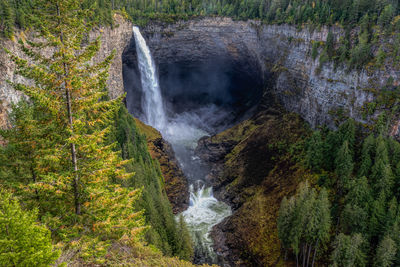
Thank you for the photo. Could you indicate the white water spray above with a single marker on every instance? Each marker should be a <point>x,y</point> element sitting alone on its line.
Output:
<point>152,101</point>
<point>183,131</point>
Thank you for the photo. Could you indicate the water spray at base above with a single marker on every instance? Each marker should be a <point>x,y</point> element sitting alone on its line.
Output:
<point>183,131</point>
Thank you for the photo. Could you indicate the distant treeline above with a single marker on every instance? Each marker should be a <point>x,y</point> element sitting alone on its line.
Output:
<point>14,13</point>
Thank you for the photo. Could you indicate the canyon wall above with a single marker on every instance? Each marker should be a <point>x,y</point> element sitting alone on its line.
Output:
<point>277,55</point>
<point>115,38</point>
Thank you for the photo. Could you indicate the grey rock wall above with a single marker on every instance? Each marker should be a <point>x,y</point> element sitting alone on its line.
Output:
<point>116,38</point>
<point>281,50</point>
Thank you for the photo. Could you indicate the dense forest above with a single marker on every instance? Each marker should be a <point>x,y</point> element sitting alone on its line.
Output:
<point>76,177</point>
<point>345,12</point>
<point>368,24</point>
<point>349,215</point>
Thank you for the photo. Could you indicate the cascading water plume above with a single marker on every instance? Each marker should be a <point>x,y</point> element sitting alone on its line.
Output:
<point>183,131</point>
<point>152,101</point>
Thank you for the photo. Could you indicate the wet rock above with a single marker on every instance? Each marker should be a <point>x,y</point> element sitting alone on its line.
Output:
<point>213,152</point>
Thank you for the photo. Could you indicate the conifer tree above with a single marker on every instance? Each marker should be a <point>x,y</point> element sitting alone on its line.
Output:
<point>386,252</point>
<point>356,211</point>
<point>185,246</point>
<point>25,153</point>
<point>23,242</point>
<point>378,216</point>
<point>348,251</point>
<point>382,176</point>
<point>330,148</point>
<point>304,223</point>
<point>284,222</point>
<point>314,156</point>
<point>79,171</point>
<point>347,132</point>
<point>366,156</point>
<point>344,166</point>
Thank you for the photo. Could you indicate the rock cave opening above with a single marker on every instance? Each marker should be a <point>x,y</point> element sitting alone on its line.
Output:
<point>232,85</point>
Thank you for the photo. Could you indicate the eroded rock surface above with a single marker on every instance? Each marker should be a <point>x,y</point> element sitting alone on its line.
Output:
<point>277,56</point>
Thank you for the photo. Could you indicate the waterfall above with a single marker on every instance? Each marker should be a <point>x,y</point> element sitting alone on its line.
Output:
<point>152,105</point>
<point>183,131</point>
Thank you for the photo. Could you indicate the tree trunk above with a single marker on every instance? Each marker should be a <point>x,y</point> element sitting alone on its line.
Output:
<point>315,253</point>
<point>297,260</point>
<point>308,255</point>
<point>34,180</point>
<point>74,158</point>
<point>75,184</point>
<point>304,254</point>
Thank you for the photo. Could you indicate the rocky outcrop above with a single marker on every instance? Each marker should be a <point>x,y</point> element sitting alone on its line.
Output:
<point>176,184</point>
<point>253,176</point>
<point>115,38</point>
<point>278,56</point>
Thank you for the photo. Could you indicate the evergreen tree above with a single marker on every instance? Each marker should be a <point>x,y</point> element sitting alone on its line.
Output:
<point>314,156</point>
<point>347,132</point>
<point>344,166</point>
<point>378,216</point>
<point>79,172</point>
<point>348,251</point>
<point>284,222</point>
<point>386,252</point>
<point>382,175</point>
<point>331,147</point>
<point>366,156</point>
<point>304,223</point>
<point>23,242</point>
<point>185,246</point>
<point>355,215</point>
<point>25,154</point>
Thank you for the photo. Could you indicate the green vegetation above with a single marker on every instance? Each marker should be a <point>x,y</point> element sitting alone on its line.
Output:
<point>23,242</point>
<point>76,158</point>
<point>361,175</point>
<point>371,26</point>
<point>165,233</point>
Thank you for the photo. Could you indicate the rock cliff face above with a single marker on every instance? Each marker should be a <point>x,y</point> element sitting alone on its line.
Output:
<point>256,60</point>
<point>115,38</point>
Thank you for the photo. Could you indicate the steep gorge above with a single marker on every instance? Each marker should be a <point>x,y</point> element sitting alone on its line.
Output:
<point>245,68</point>
<point>246,60</point>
